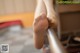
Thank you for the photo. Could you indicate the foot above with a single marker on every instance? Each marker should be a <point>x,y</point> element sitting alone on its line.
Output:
<point>40,29</point>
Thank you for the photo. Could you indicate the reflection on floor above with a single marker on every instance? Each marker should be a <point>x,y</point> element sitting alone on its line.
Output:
<point>19,42</point>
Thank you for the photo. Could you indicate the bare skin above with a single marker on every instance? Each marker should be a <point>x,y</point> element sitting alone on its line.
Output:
<point>40,28</point>
<point>44,17</point>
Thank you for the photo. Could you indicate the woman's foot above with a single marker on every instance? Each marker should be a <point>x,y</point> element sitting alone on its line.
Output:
<point>40,29</point>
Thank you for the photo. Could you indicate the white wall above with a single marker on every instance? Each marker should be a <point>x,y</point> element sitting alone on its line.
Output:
<point>16,6</point>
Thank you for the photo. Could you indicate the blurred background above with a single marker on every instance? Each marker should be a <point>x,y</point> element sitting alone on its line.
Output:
<point>23,10</point>
<point>16,18</point>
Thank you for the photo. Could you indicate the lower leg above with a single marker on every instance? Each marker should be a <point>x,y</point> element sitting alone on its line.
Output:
<point>40,9</point>
<point>40,24</point>
<point>51,14</point>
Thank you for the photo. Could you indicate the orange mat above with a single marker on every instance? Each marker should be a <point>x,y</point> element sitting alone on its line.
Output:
<point>26,18</point>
